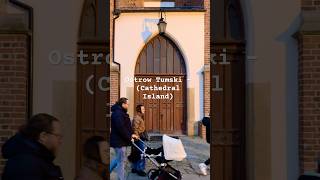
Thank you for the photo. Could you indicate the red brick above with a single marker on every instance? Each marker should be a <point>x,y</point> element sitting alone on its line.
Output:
<point>13,81</point>
<point>309,98</point>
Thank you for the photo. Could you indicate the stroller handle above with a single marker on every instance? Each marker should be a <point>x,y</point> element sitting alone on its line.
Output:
<point>132,140</point>
<point>144,153</point>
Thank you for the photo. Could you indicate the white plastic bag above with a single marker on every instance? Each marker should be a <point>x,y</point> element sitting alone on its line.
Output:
<point>173,148</point>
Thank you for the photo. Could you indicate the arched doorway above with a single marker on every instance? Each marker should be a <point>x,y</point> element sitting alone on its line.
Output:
<point>161,64</point>
<point>92,92</point>
<point>228,106</point>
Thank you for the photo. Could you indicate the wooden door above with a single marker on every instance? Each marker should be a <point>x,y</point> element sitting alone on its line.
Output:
<point>228,114</point>
<point>93,96</point>
<point>162,59</point>
<point>172,111</point>
<point>228,91</point>
<point>167,113</point>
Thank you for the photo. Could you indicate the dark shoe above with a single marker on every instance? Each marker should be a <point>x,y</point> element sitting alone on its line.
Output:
<point>134,171</point>
<point>141,173</point>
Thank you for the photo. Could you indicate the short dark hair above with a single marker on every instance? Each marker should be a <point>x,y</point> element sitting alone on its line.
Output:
<point>138,108</point>
<point>91,148</point>
<point>37,124</point>
<point>121,101</point>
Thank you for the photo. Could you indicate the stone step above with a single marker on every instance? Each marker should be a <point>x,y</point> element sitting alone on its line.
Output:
<point>158,136</point>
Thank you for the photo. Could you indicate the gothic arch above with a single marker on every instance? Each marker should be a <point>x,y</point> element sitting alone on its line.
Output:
<point>161,57</point>
<point>228,100</point>
<point>92,107</point>
<point>159,41</point>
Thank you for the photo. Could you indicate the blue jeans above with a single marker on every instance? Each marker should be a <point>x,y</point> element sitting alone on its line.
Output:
<point>140,164</point>
<point>118,162</point>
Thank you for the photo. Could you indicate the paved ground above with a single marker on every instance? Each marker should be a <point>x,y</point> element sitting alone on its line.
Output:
<point>197,151</point>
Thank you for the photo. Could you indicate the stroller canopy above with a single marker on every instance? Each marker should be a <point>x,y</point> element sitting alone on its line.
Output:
<point>173,148</point>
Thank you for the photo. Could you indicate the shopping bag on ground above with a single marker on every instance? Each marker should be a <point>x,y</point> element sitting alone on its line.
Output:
<point>173,148</point>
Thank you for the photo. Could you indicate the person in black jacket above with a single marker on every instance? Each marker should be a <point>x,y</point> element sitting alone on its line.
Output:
<point>121,135</point>
<point>309,177</point>
<point>204,166</point>
<point>30,153</point>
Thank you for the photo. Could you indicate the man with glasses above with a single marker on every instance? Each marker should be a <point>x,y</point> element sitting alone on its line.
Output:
<point>32,150</point>
<point>121,135</point>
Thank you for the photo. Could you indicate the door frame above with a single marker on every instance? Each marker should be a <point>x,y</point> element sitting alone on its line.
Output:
<point>184,89</point>
<point>97,40</point>
<point>184,130</point>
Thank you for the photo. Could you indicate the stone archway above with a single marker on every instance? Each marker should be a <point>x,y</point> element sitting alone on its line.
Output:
<point>161,60</point>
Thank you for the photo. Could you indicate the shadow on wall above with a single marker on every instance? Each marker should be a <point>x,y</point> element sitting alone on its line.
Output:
<point>148,24</point>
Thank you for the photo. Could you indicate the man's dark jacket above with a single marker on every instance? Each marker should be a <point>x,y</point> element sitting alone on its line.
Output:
<point>309,177</point>
<point>121,130</point>
<point>28,160</point>
<point>206,123</point>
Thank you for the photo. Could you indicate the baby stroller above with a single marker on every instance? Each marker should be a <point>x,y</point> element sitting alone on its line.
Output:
<point>163,170</point>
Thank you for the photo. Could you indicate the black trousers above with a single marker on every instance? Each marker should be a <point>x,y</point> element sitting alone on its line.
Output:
<point>207,162</point>
<point>305,177</point>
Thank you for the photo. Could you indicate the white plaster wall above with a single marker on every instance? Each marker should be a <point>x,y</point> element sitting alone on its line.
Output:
<point>158,4</point>
<point>186,29</point>
<point>269,29</point>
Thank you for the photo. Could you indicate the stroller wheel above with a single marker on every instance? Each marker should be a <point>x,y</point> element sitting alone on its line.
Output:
<point>153,174</point>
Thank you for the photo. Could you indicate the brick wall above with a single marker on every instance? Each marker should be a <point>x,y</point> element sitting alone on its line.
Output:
<point>180,3</point>
<point>207,64</point>
<point>140,3</point>
<point>309,101</point>
<point>114,93</point>
<point>310,4</point>
<point>129,3</point>
<point>114,74</point>
<point>13,85</point>
<point>309,86</point>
